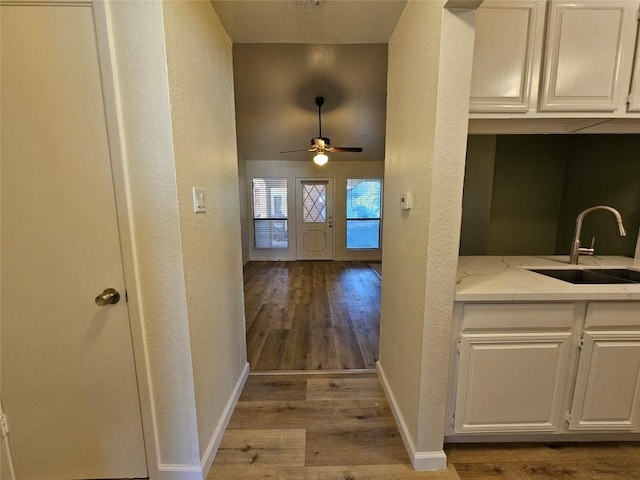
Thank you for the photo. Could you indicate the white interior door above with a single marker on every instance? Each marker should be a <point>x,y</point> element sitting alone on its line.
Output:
<point>314,218</point>
<point>68,376</point>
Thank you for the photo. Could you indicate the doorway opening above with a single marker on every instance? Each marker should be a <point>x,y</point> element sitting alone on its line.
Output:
<point>311,312</point>
<point>312,315</point>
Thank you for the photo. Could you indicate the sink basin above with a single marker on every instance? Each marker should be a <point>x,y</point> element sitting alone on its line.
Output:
<point>592,276</point>
<point>625,273</point>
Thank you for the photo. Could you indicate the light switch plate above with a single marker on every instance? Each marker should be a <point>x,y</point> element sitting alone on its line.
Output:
<point>199,205</point>
<point>405,201</point>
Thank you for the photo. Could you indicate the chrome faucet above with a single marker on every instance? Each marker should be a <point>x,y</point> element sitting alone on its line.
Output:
<point>576,249</point>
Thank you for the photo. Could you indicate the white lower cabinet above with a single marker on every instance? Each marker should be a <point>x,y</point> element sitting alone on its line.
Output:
<point>546,368</point>
<point>511,382</point>
<point>607,392</point>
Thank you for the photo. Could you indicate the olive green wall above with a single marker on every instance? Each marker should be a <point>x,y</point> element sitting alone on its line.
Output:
<point>601,170</point>
<point>478,187</point>
<point>537,185</point>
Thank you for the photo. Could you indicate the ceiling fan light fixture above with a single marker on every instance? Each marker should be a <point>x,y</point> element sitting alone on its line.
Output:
<point>320,159</point>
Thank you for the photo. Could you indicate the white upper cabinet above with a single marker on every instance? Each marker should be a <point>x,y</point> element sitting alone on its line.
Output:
<point>589,55</point>
<point>506,57</point>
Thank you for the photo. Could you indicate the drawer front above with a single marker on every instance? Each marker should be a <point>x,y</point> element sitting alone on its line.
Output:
<point>612,314</point>
<point>518,316</point>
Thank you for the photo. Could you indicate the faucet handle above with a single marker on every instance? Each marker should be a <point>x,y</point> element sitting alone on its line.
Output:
<point>588,251</point>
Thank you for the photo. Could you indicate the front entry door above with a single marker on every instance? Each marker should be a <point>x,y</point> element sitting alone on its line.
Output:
<point>314,218</point>
<point>68,376</point>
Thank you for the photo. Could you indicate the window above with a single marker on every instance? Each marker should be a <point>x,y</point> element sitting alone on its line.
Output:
<point>270,213</point>
<point>363,212</point>
<point>314,202</point>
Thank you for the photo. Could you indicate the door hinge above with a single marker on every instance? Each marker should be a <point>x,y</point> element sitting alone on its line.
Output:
<point>126,296</point>
<point>580,343</point>
<point>568,418</point>
<point>4,426</point>
<point>453,422</point>
<point>459,345</point>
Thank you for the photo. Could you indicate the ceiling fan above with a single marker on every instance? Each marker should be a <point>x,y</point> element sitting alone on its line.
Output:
<point>321,145</point>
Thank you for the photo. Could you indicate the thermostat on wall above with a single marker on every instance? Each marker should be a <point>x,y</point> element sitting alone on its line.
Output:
<point>405,201</point>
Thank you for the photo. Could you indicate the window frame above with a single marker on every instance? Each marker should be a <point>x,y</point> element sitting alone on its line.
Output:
<point>270,218</point>
<point>348,219</point>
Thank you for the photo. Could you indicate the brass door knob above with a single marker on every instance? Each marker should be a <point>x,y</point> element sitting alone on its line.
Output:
<point>109,297</point>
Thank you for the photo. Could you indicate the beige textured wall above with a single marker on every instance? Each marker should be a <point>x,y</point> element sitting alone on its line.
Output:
<point>146,121</point>
<point>202,113</point>
<point>427,109</point>
<point>339,170</point>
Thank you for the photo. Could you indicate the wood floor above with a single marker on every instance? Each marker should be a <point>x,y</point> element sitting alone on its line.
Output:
<point>325,427</point>
<point>311,315</point>
<point>317,427</point>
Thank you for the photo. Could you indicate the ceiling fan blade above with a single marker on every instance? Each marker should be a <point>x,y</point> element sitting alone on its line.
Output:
<point>292,151</point>
<point>345,149</point>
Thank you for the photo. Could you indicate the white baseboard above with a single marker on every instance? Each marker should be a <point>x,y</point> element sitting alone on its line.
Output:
<point>169,471</point>
<point>359,258</point>
<point>436,460</point>
<point>216,438</point>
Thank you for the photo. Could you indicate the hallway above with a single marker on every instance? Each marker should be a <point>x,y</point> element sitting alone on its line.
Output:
<point>312,315</point>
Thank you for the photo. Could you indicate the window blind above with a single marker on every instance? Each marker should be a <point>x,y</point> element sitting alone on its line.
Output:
<point>364,204</point>
<point>270,216</point>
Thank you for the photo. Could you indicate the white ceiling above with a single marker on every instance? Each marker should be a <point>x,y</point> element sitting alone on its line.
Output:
<point>309,21</point>
<point>287,52</point>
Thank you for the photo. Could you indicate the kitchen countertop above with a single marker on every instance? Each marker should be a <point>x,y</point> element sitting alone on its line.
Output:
<point>499,279</point>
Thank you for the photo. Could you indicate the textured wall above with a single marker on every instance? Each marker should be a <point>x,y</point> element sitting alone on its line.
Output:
<point>144,98</point>
<point>412,83</point>
<point>450,137</point>
<point>202,114</point>
<point>244,210</point>
<point>339,171</point>
<point>427,108</point>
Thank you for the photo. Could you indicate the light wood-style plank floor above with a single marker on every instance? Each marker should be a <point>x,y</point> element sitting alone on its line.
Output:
<point>325,427</point>
<point>314,427</point>
<point>311,315</point>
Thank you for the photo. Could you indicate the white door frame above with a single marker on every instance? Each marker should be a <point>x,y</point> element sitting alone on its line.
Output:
<point>114,123</point>
<point>330,208</point>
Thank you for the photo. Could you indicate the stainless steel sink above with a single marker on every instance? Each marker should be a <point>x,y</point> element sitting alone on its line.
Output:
<point>592,276</point>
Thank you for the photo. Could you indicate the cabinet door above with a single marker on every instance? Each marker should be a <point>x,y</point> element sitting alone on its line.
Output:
<point>607,393</point>
<point>511,382</point>
<point>634,98</point>
<point>589,49</point>
<point>506,56</point>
